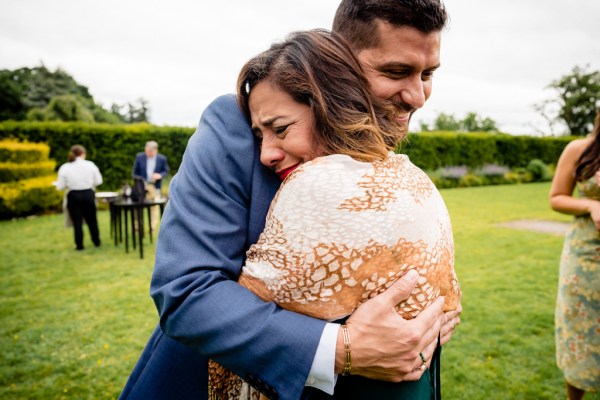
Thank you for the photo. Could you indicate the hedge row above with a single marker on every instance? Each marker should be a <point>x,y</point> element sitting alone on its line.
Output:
<point>29,196</point>
<point>13,151</point>
<point>433,150</point>
<point>10,172</point>
<point>113,147</point>
<point>26,179</point>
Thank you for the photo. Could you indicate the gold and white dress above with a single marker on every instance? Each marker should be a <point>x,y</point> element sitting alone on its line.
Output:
<point>340,231</point>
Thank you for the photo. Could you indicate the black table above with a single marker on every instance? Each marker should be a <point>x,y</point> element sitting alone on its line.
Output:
<point>108,198</point>
<point>124,210</point>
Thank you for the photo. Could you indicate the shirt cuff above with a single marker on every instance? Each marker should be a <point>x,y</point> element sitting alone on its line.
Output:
<point>322,372</point>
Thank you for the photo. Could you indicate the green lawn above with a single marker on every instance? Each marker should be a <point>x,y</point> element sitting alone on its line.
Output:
<point>72,324</point>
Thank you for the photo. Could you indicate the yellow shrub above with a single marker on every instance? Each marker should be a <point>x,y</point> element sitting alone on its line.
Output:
<point>10,172</point>
<point>23,152</point>
<point>29,196</point>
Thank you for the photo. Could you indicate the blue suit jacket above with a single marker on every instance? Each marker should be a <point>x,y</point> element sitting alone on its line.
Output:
<point>139,167</point>
<point>218,202</point>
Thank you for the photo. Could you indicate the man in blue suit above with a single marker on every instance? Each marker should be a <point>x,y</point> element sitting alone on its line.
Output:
<point>152,168</point>
<point>218,203</point>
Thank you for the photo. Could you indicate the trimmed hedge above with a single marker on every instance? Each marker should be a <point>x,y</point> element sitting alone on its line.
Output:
<point>433,150</point>
<point>29,196</point>
<point>111,147</point>
<point>26,180</point>
<point>13,151</point>
<point>10,172</point>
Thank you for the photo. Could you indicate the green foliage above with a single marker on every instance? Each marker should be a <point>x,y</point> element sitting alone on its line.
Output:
<point>66,107</point>
<point>38,94</point>
<point>11,102</point>
<point>471,123</point>
<point>111,147</point>
<point>10,172</point>
<point>576,101</point>
<point>29,196</point>
<point>22,152</point>
<point>139,113</point>
<point>433,150</point>
<point>539,171</point>
<point>489,174</point>
<point>26,177</point>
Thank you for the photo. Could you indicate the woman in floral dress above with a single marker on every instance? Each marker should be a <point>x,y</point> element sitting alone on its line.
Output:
<point>578,303</point>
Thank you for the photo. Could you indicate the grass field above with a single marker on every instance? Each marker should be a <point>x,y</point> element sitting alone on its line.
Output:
<point>72,324</point>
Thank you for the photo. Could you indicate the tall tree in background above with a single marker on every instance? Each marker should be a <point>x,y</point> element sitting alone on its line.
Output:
<point>138,113</point>
<point>43,95</point>
<point>471,123</point>
<point>576,103</point>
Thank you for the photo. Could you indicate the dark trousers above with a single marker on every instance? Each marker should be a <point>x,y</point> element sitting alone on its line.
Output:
<point>82,206</point>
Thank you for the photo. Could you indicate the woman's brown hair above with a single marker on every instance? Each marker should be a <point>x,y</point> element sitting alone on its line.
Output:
<point>76,151</point>
<point>318,69</point>
<point>589,162</point>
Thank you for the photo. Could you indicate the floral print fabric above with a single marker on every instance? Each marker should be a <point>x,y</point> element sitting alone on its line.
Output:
<point>578,305</point>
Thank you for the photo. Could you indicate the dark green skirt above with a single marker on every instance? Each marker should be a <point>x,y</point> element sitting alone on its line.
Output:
<point>358,388</point>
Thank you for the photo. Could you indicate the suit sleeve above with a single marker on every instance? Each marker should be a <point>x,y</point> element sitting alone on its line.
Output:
<point>137,168</point>
<point>200,252</point>
<point>164,170</point>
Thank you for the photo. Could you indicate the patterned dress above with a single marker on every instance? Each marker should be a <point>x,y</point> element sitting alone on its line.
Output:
<point>578,304</point>
<point>339,232</point>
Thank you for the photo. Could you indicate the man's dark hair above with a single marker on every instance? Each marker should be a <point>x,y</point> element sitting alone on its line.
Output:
<point>356,20</point>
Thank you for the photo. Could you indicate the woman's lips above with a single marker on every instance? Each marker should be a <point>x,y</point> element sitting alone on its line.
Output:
<point>286,171</point>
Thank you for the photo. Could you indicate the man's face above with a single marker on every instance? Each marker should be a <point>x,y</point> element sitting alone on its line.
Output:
<point>150,152</point>
<point>400,68</point>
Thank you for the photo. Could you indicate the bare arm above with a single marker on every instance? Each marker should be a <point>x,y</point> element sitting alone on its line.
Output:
<point>561,192</point>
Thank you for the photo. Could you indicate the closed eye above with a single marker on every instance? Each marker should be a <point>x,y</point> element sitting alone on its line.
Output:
<point>281,131</point>
<point>396,74</point>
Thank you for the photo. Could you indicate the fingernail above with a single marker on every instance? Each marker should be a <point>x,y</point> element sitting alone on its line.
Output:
<point>411,275</point>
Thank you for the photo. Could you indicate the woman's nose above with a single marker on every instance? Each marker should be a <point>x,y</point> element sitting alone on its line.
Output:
<point>270,152</point>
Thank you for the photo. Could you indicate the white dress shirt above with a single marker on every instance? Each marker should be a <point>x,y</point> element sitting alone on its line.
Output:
<point>150,167</point>
<point>322,372</point>
<point>80,174</point>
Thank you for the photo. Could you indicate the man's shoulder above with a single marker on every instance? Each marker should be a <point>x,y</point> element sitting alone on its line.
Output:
<point>225,107</point>
<point>224,121</point>
<point>224,101</point>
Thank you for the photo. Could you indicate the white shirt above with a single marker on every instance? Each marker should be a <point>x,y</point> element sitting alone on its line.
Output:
<point>78,175</point>
<point>322,372</point>
<point>150,166</point>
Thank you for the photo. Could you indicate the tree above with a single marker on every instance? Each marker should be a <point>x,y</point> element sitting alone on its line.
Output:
<point>28,93</point>
<point>139,113</point>
<point>576,101</point>
<point>471,123</point>
<point>11,104</point>
<point>66,107</point>
<point>474,123</point>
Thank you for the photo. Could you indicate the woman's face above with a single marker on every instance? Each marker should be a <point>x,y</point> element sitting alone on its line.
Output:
<point>284,126</point>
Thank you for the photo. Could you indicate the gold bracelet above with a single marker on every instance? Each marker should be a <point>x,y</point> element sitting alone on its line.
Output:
<point>346,336</point>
